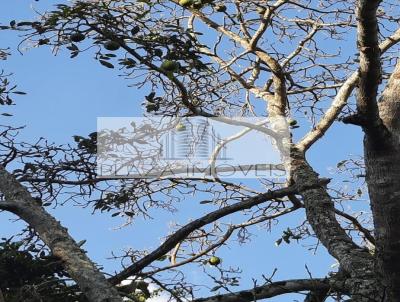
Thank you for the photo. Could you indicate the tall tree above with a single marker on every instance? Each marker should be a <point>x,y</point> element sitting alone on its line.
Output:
<point>277,59</point>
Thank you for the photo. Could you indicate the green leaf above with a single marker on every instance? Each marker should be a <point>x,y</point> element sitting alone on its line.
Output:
<point>106,64</point>
<point>135,30</point>
<point>205,201</point>
<point>24,23</point>
<point>214,289</point>
<point>74,54</point>
<point>341,164</point>
<point>73,47</point>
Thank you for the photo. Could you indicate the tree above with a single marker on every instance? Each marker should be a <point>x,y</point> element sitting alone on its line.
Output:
<point>213,59</point>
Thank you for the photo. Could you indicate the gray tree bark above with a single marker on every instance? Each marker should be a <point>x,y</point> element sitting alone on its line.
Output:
<point>381,149</point>
<point>89,279</point>
<point>382,155</point>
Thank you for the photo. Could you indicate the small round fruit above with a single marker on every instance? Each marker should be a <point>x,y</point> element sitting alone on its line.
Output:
<point>292,122</point>
<point>220,8</point>
<point>142,299</point>
<point>169,65</point>
<point>180,127</point>
<point>111,45</point>
<point>197,4</point>
<point>135,30</point>
<point>185,3</point>
<point>214,260</point>
<point>158,52</point>
<point>196,102</point>
<point>77,37</point>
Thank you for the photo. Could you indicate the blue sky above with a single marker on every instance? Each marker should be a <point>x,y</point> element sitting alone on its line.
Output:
<point>66,96</point>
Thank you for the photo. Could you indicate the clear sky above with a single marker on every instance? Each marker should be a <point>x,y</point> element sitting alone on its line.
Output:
<point>66,96</point>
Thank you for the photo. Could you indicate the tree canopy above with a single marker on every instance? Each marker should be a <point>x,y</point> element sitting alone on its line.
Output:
<point>304,66</point>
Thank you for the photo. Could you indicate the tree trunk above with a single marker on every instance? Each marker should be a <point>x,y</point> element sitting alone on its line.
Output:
<point>361,282</point>
<point>383,179</point>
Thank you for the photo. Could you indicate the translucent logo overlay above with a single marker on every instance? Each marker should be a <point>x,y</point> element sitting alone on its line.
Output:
<point>191,147</point>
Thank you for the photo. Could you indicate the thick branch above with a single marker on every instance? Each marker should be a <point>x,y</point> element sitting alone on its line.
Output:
<point>270,290</point>
<point>265,20</point>
<point>224,238</point>
<point>320,212</point>
<point>279,101</point>
<point>317,295</point>
<point>56,237</point>
<point>341,99</point>
<point>183,232</point>
<point>330,115</point>
<point>370,63</point>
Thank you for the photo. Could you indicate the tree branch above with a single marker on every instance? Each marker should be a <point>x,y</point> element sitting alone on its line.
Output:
<point>270,290</point>
<point>92,283</point>
<point>340,100</point>
<point>317,295</point>
<point>320,213</point>
<point>358,225</point>
<point>370,64</point>
<point>183,232</point>
<point>224,238</point>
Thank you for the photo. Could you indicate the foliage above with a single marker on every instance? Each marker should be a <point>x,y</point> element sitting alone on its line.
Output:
<point>29,274</point>
<point>212,59</point>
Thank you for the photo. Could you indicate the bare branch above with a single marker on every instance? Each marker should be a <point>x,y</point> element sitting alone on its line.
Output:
<point>340,100</point>
<point>183,232</point>
<point>358,225</point>
<point>270,290</point>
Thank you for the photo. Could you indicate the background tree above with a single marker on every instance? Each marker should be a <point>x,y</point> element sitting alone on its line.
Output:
<point>282,59</point>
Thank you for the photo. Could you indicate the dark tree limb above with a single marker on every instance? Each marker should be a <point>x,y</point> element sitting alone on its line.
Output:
<point>381,149</point>
<point>183,232</point>
<point>382,176</point>
<point>90,280</point>
<point>370,67</point>
<point>367,234</point>
<point>272,290</point>
<point>317,295</point>
<point>320,213</point>
<point>355,119</point>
